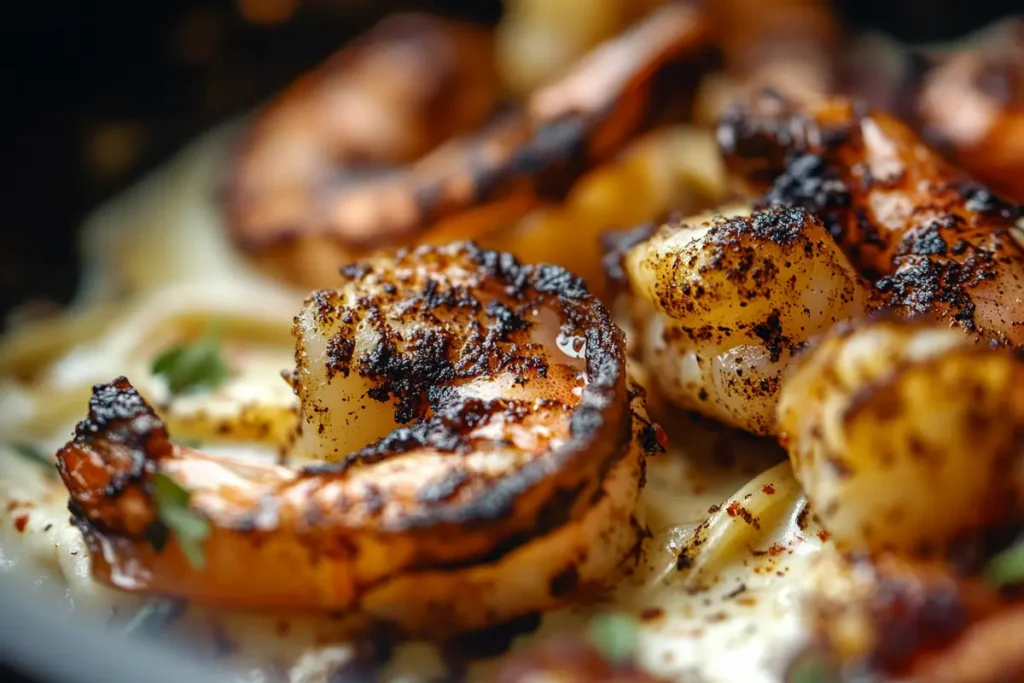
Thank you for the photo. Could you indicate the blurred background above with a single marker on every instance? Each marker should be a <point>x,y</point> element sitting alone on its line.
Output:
<point>100,92</point>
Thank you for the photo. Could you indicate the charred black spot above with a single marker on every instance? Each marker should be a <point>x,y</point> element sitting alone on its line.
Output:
<point>616,244</point>
<point>979,198</point>
<point>926,241</point>
<point>770,333</point>
<point>442,489</point>
<point>780,225</point>
<point>811,183</point>
<point>564,582</point>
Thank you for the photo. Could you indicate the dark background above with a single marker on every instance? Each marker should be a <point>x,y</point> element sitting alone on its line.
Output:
<point>98,92</point>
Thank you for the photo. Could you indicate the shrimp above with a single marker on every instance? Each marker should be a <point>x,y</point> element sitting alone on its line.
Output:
<point>726,302</point>
<point>885,419</point>
<point>933,241</point>
<point>786,45</point>
<point>329,206</point>
<point>984,131</point>
<point>905,436</point>
<point>474,433</point>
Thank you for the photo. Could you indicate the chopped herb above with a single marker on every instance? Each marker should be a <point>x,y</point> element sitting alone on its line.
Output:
<point>33,454</point>
<point>813,665</point>
<point>193,366</point>
<point>189,528</point>
<point>1007,567</point>
<point>153,617</point>
<point>615,635</point>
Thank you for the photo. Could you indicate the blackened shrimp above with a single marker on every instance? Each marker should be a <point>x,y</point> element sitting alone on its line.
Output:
<point>475,434</point>
<point>328,205</point>
<point>725,303</point>
<point>904,435</point>
<point>971,103</point>
<point>906,438</point>
<point>789,46</point>
<point>935,242</point>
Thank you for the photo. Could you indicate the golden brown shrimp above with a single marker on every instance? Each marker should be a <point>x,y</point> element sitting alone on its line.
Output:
<point>884,419</point>
<point>906,438</point>
<point>537,40</point>
<point>935,242</point>
<point>725,303</point>
<point>971,103</point>
<point>789,46</point>
<point>302,219</point>
<point>473,423</point>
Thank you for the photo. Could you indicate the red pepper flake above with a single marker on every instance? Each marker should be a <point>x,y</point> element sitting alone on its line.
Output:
<point>660,436</point>
<point>823,535</point>
<point>776,549</point>
<point>783,440</point>
<point>713,509</point>
<point>737,510</point>
<point>768,489</point>
<point>20,522</point>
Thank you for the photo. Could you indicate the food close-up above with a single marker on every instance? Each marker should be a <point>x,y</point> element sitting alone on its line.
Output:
<point>670,341</point>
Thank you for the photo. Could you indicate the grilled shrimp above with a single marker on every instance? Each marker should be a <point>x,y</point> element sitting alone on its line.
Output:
<point>474,431</point>
<point>727,302</point>
<point>788,46</point>
<point>904,436</point>
<point>330,206</point>
<point>971,103</point>
<point>934,242</point>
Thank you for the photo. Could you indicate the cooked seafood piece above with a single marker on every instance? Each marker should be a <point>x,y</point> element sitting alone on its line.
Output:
<point>971,104</point>
<point>537,40</point>
<point>725,302</point>
<point>906,438</point>
<point>934,242</point>
<point>330,203</point>
<point>476,436</point>
<point>788,46</point>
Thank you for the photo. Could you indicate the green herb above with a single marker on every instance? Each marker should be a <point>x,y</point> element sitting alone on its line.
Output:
<point>615,636</point>
<point>188,527</point>
<point>813,665</point>
<point>32,454</point>
<point>1007,567</point>
<point>153,617</point>
<point>197,365</point>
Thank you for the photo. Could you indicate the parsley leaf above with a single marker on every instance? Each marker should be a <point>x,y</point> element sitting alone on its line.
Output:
<point>813,665</point>
<point>33,454</point>
<point>189,527</point>
<point>1007,567</point>
<point>153,617</point>
<point>197,365</point>
<point>615,636</point>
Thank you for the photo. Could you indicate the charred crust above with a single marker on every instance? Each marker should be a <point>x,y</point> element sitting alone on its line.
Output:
<point>615,245</point>
<point>810,182</point>
<point>534,151</point>
<point>418,373</point>
<point>115,449</point>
